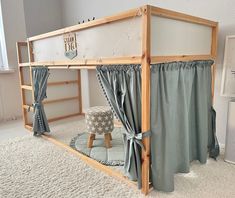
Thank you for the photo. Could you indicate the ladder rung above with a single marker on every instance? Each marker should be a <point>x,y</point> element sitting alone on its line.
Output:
<point>60,100</point>
<point>24,64</point>
<point>27,107</point>
<point>62,82</point>
<point>28,87</point>
<point>29,127</point>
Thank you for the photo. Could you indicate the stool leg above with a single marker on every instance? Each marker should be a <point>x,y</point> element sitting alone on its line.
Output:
<point>107,140</point>
<point>110,136</point>
<point>90,140</point>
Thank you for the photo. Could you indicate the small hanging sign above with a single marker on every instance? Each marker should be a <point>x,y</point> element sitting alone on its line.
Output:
<point>70,45</point>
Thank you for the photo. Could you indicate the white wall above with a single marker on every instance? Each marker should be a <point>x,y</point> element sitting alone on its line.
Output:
<point>14,29</point>
<point>21,19</point>
<point>217,10</point>
<point>42,16</point>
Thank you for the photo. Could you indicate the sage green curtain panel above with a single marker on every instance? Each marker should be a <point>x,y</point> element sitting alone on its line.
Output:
<point>182,119</point>
<point>122,86</point>
<point>40,76</point>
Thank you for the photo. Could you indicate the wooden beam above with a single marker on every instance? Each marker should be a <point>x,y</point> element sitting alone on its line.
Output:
<point>31,59</point>
<point>162,59</point>
<point>27,87</point>
<point>30,51</point>
<point>79,91</point>
<point>97,22</point>
<point>24,64</point>
<point>28,127</point>
<point>182,17</point>
<point>145,95</point>
<point>214,43</point>
<point>60,100</point>
<point>71,67</point>
<point>91,62</point>
<point>57,67</point>
<point>55,118</point>
<point>18,51</point>
<point>85,63</point>
<point>63,117</point>
<point>21,78</point>
<point>23,98</point>
<point>67,82</point>
<point>82,67</point>
<point>214,40</point>
<point>27,107</point>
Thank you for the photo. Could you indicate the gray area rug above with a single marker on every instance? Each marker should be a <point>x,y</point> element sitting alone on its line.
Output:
<point>111,157</point>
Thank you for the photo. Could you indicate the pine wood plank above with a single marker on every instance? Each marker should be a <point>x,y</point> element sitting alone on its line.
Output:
<point>63,117</point>
<point>162,59</point>
<point>79,91</point>
<point>21,78</point>
<point>27,87</point>
<point>145,95</point>
<point>91,62</point>
<point>60,100</point>
<point>27,107</point>
<point>180,16</point>
<point>24,64</point>
<point>28,127</point>
<point>214,43</point>
<point>66,82</point>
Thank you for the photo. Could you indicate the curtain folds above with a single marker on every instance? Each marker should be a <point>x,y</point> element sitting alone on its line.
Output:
<point>122,86</point>
<point>182,119</point>
<point>40,76</point>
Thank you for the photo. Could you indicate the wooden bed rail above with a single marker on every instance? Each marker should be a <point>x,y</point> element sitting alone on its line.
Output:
<point>87,62</point>
<point>125,15</point>
<point>182,17</point>
<point>91,63</point>
<point>162,59</point>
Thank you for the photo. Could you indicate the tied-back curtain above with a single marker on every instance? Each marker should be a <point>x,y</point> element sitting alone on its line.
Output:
<point>40,76</point>
<point>122,87</point>
<point>182,119</point>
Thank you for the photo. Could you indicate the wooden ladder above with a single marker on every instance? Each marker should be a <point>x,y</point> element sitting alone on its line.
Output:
<point>26,108</point>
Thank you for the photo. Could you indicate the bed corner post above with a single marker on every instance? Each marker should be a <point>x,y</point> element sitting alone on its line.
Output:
<point>145,62</point>
<point>214,41</point>
<point>79,84</point>
<point>31,59</point>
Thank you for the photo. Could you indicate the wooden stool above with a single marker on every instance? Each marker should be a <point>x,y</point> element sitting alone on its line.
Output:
<point>99,120</point>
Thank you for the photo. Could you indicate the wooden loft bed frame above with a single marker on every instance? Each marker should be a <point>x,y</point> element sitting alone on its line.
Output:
<point>145,59</point>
